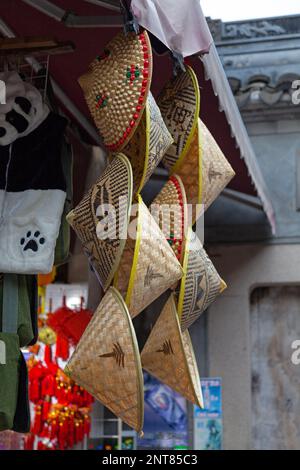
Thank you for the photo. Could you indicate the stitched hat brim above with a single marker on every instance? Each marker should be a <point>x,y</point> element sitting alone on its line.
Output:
<point>148,266</point>
<point>168,355</point>
<point>200,285</point>
<point>103,237</point>
<point>106,361</point>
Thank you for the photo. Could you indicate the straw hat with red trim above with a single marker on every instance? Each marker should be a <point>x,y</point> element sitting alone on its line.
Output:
<point>117,91</point>
<point>169,209</point>
<point>116,87</point>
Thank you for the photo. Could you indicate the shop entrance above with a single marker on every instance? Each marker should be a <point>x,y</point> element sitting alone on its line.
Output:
<point>275,326</point>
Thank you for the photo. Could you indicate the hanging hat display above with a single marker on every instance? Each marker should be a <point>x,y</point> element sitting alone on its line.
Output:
<point>201,283</point>
<point>116,87</point>
<point>169,208</point>
<point>106,361</point>
<point>106,205</point>
<point>117,91</point>
<point>168,355</point>
<point>148,266</point>
<point>194,156</point>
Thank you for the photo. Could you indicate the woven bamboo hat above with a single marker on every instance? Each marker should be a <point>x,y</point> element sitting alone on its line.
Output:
<point>200,285</point>
<point>106,361</point>
<point>147,145</point>
<point>148,266</point>
<point>117,91</point>
<point>194,156</point>
<point>116,87</point>
<point>169,209</point>
<point>168,355</point>
<point>104,247</point>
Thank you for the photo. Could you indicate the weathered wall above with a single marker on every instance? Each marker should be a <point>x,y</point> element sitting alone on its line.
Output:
<point>277,147</point>
<point>275,407</point>
<point>229,343</point>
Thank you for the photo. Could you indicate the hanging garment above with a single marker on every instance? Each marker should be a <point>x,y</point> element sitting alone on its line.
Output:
<point>26,290</point>
<point>14,405</point>
<point>32,198</point>
<point>62,248</point>
<point>23,110</point>
<point>181,26</point>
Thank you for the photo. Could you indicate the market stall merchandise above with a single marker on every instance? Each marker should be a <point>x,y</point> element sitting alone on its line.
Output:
<point>168,355</point>
<point>61,409</point>
<point>117,91</point>
<point>201,284</point>
<point>14,406</point>
<point>148,266</point>
<point>107,362</point>
<point>194,155</point>
<point>32,196</point>
<point>116,87</point>
<point>127,244</point>
<point>101,218</point>
<point>23,111</point>
<point>169,209</point>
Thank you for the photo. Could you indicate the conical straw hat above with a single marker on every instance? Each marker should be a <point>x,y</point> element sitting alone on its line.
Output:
<point>148,145</point>
<point>116,87</point>
<point>106,361</point>
<point>148,266</point>
<point>169,209</point>
<point>179,103</point>
<point>168,355</point>
<point>200,285</point>
<point>200,163</point>
<point>104,248</point>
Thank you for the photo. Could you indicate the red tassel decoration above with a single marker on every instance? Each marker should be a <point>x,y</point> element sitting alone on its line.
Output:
<point>38,424</point>
<point>48,354</point>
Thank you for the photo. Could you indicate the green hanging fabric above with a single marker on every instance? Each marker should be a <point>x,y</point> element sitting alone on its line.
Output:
<point>62,247</point>
<point>18,328</point>
<point>10,354</point>
<point>27,296</point>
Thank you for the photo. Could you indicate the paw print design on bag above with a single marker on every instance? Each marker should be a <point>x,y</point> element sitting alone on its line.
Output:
<point>32,181</point>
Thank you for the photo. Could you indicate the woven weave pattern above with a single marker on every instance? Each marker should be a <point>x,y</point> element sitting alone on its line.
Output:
<point>116,87</point>
<point>179,105</point>
<point>216,170</point>
<point>124,270</point>
<point>160,137</point>
<point>169,357</point>
<point>193,367</point>
<point>136,151</point>
<point>114,187</point>
<point>194,155</point>
<point>106,361</point>
<point>157,267</point>
<point>169,210</point>
<point>156,270</point>
<point>202,284</point>
<point>148,145</point>
<point>190,173</point>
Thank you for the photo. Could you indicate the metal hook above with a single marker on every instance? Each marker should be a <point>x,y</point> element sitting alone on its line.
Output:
<point>130,22</point>
<point>178,62</point>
